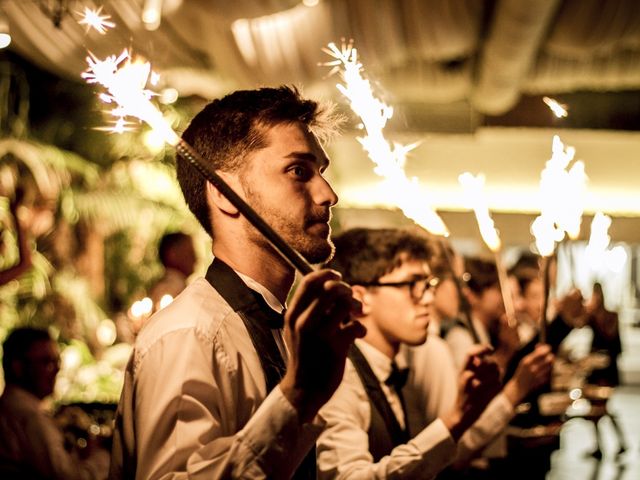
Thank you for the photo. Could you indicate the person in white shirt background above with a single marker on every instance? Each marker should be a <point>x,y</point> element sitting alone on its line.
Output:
<point>367,432</point>
<point>31,444</point>
<point>218,385</point>
<point>178,257</point>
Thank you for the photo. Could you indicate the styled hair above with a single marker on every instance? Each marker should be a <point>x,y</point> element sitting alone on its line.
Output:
<point>168,242</point>
<point>229,128</point>
<point>480,274</point>
<point>364,255</point>
<point>17,344</point>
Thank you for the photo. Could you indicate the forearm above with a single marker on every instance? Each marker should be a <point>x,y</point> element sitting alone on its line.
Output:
<point>486,428</point>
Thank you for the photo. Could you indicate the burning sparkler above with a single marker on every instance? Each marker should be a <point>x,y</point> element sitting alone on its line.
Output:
<point>125,82</point>
<point>94,19</point>
<point>558,109</point>
<point>474,190</point>
<point>388,157</point>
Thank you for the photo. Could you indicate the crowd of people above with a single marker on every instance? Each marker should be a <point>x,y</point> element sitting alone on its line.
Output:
<point>394,359</point>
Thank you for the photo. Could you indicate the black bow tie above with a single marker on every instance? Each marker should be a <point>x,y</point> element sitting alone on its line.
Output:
<point>398,377</point>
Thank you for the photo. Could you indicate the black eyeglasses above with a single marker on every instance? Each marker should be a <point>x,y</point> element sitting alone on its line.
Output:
<point>417,286</point>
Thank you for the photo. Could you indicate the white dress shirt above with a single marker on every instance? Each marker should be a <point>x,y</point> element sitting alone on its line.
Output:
<point>343,447</point>
<point>460,341</point>
<point>32,445</point>
<point>200,408</point>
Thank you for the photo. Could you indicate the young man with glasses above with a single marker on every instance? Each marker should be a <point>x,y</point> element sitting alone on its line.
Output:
<point>367,433</point>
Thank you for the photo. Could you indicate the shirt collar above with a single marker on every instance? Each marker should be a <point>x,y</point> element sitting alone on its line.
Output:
<point>378,361</point>
<point>269,297</point>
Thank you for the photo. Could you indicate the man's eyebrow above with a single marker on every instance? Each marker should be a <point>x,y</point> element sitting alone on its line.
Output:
<point>309,157</point>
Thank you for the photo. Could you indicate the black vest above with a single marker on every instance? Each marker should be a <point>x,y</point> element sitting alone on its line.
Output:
<point>385,433</point>
<point>259,319</point>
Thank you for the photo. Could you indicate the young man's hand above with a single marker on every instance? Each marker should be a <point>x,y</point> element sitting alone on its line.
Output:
<point>533,371</point>
<point>320,326</point>
<point>478,383</point>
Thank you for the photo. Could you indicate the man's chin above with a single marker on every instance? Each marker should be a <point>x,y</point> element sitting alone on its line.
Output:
<point>320,252</point>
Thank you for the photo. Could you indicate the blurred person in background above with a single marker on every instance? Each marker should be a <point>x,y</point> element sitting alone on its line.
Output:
<point>24,252</point>
<point>31,444</point>
<point>178,257</point>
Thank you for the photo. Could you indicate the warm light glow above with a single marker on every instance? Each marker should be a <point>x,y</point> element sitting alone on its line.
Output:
<point>71,358</point>
<point>142,307</point>
<point>476,200</point>
<point>94,19</point>
<point>558,109</point>
<point>310,3</point>
<point>125,81</point>
<point>153,141</point>
<point>5,40</point>
<point>168,96</point>
<point>151,14</point>
<point>106,332</point>
<point>165,300</point>
<point>389,158</point>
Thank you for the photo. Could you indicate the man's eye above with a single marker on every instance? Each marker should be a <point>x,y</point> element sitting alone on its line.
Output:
<point>300,172</point>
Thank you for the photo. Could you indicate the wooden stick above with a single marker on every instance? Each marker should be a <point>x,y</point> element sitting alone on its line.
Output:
<point>465,308</point>
<point>505,289</point>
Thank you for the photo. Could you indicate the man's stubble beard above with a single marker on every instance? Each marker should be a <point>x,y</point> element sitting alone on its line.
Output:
<point>314,249</point>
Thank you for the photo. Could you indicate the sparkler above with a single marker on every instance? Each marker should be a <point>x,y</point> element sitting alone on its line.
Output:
<point>558,109</point>
<point>94,19</point>
<point>557,214</point>
<point>388,157</point>
<point>474,190</point>
<point>125,82</point>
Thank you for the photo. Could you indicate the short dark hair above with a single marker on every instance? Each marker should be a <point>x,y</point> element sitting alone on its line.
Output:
<point>229,128</point>
<point>364,255</point>
<point>480,274</point>
<point>17,344</point>
<point>169,241</point>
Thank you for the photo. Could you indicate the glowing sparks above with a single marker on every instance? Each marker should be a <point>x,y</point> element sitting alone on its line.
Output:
<point>125,81</point>
<point>388,157</point>
<point>94,19</point>
<point>558,109</point>
<point>597,251</point>
<point>476,199</point>
<point>474,191</point>
<point>562,194</point>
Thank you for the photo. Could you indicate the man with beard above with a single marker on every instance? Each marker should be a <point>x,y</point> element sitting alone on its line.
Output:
<point>208,392</point>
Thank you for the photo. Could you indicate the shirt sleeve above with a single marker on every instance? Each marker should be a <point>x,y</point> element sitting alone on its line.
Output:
<point>460,341</point>
<point>197,418</point>
<point>343,447</point>
<point>486,428</point>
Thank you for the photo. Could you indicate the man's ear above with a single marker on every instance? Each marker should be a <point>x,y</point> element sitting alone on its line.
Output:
<point>361,294</point>
<point>218,200</point>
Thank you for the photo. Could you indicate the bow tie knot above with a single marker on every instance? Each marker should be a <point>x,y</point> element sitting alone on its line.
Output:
<point>398,377</point>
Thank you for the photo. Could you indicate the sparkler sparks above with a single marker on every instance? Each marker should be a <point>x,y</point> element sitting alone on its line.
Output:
<point>562,192</point>
<point>388,157</point>
<point>558,109</point>
<point>474,190</point>
<point>94,19</point>
<point>126,81</point>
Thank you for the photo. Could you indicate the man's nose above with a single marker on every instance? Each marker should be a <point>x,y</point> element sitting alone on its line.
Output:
<point>324,193</point>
